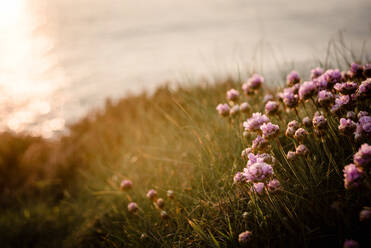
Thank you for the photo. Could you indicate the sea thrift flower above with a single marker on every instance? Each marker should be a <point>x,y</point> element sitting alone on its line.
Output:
<point>346,88</point>
<point>341,102</point>
<point>258,188</point>
<point>170,194</point>
<point>233,95</point>
<point>260,144</point>
<point>316,72</point>
<point>307,121</point>
<point>253,124</point>
<point>363,129</point>
<point>290,132</point>
<point>292,78</point>
<point>223,109</point>
<point>262,157</point>
<point>301,150</point>
<point>351,115</point>
<point>132,207</point>
<point>160,202</point>
<point>152,194</point>
<point>365,214</point>
<point>291,155</point>
<point>244,107</point>
<point>239,178</point>
<point>361,114</point>
<point>269,130</point>
<point>363,156</point>
<point>164,215</point>
<point>255,82</point>
<point>271,107</point>
<point>267,98</point>
<point>273,185</point>
<point>319,121</point>
<point>243,238</point>
<point>246,152</point>
<point>356,70</point>
<point>258,172</point>
<point>367,70</point>
<point>234,110</point>
<point>352,176</point>
<point>325,98</point>
<point>300,134</point>
<point>321,83</point>
<point>349,243</point>
<point>294,124</point>
<point>290,99</point>
<point>307,90</point>
<point>347,126</point>
<point>364,90</point>
<point>332,77</point>
<point>126,184</point>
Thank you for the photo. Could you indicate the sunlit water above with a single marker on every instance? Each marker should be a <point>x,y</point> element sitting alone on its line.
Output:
<point>60,58</point>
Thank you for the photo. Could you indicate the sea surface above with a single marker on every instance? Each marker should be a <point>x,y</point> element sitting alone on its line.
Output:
<point>61,58</point>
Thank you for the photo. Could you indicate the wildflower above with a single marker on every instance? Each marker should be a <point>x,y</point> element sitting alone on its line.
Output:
<point>164,215</point>
<point>364,90</point>
<point>346,88</point>
<point>349,243</point>
<point>258,188</point>
<point>245,215</point>
<point>254,123</point>
<point>307,122</point>
<point>325,98</point>
<point>365,214</point>
<point>262,157</point>
<point>271,107</point>
<point>363,129</point>
<point>291,155</point>
<point>234,110</point>
<point>332,77</point>
<point>367,70</point>
<point>245,152</point>
<point>351,115</point>
<point>352,176</point>
<point>260,144</point>
<point>290,132</point>
<point>170,194</point>
<point>292,78</point>
<point>307,90</point>
<point>126,185</point>
<point>301,150</point>
<point>160,202</point>
<point>132,207</point>
<point>269,130</point>
<point>267,98</point>
<point>152,194</point>
<point>258,172</point>
<point>243,238</point>
<point>294,124</point>
<point>273,185</point>
<point>362,158</point>
<point>239,178</point>
<point>290,99</point>
<point>244,107</point>
<point>356,70</point>
<point>347,126</point>
<point>233,95</point>
<point>361,114</point>
<point>255,82</point>
<point>321,83</point>
<point>223,109</point>
<point>341,102</point>
<point>316,72</point>
<point>319,121</point>
<point>300,134</point>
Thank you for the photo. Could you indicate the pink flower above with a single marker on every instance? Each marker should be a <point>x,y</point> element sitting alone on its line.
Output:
<point>325,98</point>
<point>152,194</point>
<point>223,109</point>
<point>267,98</point>
<point>321,83</point>
<point>290,132</point>
<point>346,88</point>
<point>363,129</point>
<point>301,150</point>
<point>292,78</point>
<point>319,122</point>
<point>361,114</point>
<point>356,70</point>
<point>160,202</point>
<point>273,185</point>
<point>352,176</point>
<point>349,243</point>
<point>239,178</point>
<point>341,102</point>
<point>260,144</point>
<point>170,194</point>
<point>244,237</point>
<point>367,70</point>
<point>307,90</point>
<point>271,107</point>
<point>351,115</point>
<point>258,188</point>
<point>362,158</point>
<point>262,157</point>
<point>347,126</point>
<point>126,184</point>
<point>307,121</point>
<point>132,207</point>
<point>291,155</point>
<point>246,152</point>
<point>300,134</point>
<point>332,76</point>
<point>294,124</point>
<point>290,99</point>
<point>365,214</point>
<point>258,172</point>
<point>244,107</point>
<point>316,72</point>
<point>364,90</point>
<point>233,95</point>
<point>255,82</point>
<point>269,130</point>
<point>253,124</point>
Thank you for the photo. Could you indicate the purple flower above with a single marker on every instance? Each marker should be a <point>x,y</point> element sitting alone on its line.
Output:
<point>294,124</point>
<point>321,83</point>
<point>273,185</point>
<point>239,178</point>
<point>307,121</point>
<point>267,98</point>
<point>233,95</point>
<point>363,127</point>
<point>292,78</point>
<point>351,115</point>
<point>152,194</point>
<point>223,109</point>
<point>246,152</point>
<point>346,88</point>
<point>260,144</point>
<point>255,82</point>
<point>362,158</point>
<point>262,157</point>
<point>132,207</point>
<point>258,172</point>
<point>307,90</point>
<point>253,124</point>
<point>332,76</point>
<point>258,188</point>
<point>347,126</point>
<point>356,70</point>
<point>269,130</point>
<point>160,202</point>
<point>244,107</point>
<point>365,214</point>
<point>367,70</point>
<point>235,110</point>
<point>316,72</point>
<point>126,184</point>
<point>364,90</point>
<point>244,237</point>
<point>290,132</point>
<point>319,122</point>
<point>290,99</point>
<point>341,102</point>
<point>300,134</point>
<point>291,155</point>
<point>362,113</point>
<point>271,107</point>
<point>325,98</point>
<point>352,176</point>
<point>349,243</point>
<point>301,150</point>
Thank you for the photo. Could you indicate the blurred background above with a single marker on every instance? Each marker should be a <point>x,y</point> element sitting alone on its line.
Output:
<point>60,58</point>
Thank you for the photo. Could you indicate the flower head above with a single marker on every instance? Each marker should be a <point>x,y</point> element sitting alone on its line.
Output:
<point>244,107</point>
<point>255,82</point>
<point>362,158</point>
<point>307,90</point>
<point>332,76</point>
<point>325,98</point>
<point>170,194</point>
<point>233,95</point>
<point>271,107</point>
<point>316,72</point>
<point>254,122</point>
<point>347,126</point>
<point>273,185</point>
<point>245,152</point>
<point>349,243</point>
<point>346,88</point>
<point>244,237</point>
<point>365,214</point>
<point>300,134</point>
<point>351,115</point>
<point>126,185</point>
<point>356,70</point>
<point>367,70</point>
<point>291,155</point>
<point>307,122</point>
<point>258,172</point>
<point>132,207</point>
<point>321,83</point>
<point>361,114</point>
<point>290,99</point>
<point>239,178</point>
<point>160,202</point>
<point>341,102</point>
<point>152,194</point>
<point>258,188</point>
<point>301,150</point>
<point>269,130</point>
<point>260,144</point>
<point>268,97</point>
<point>319,122</point>
<point>223,109</point>
<point>352,176</point>
<point>364,90</point>
<point>292,78</point>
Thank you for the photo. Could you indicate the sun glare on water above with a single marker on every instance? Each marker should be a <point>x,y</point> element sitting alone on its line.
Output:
<point>27,76</point>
